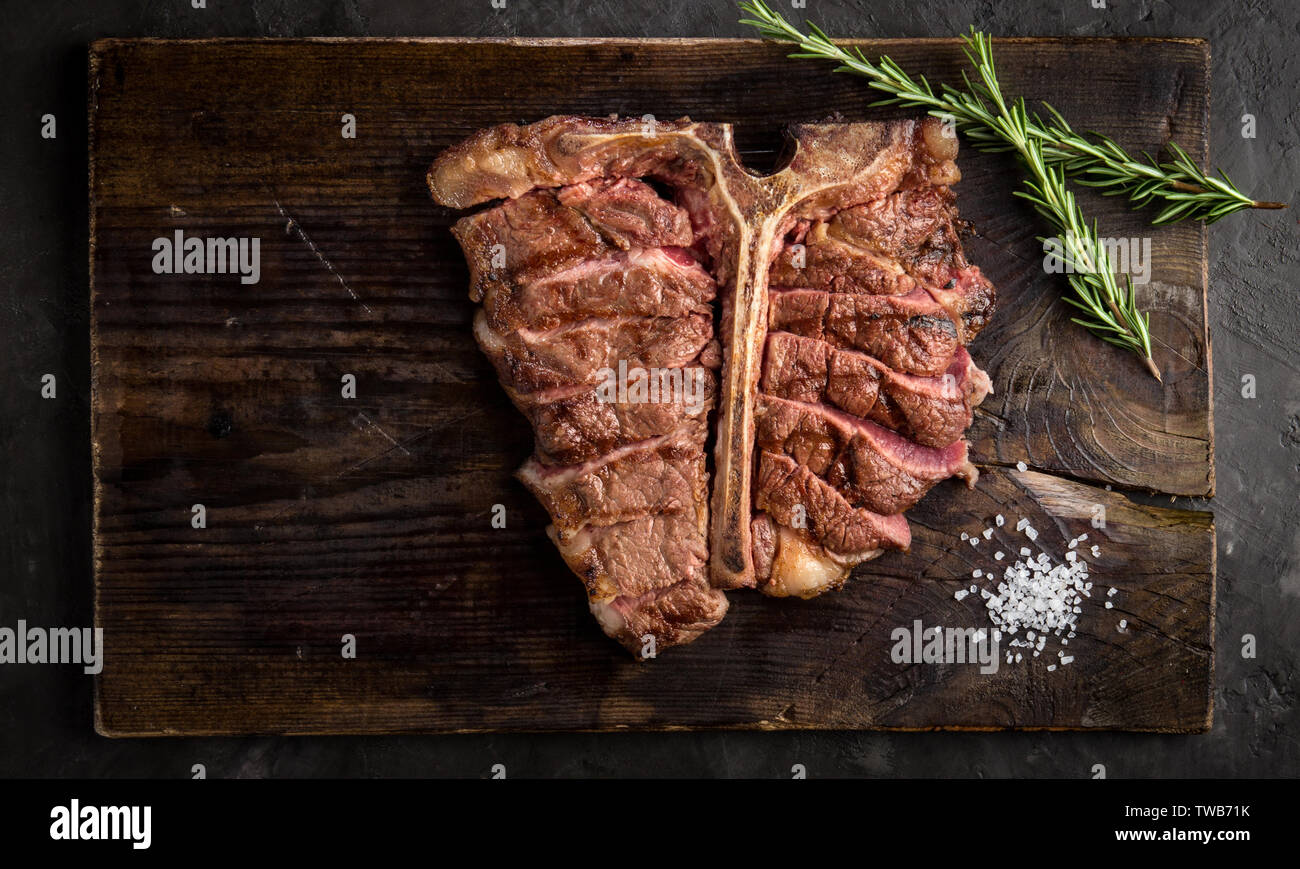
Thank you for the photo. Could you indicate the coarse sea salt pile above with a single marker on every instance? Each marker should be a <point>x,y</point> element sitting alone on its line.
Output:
<point>1037,595</point>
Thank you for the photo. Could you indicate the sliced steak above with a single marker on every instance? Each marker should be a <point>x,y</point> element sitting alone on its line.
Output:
<point>629,213</point>
<point>524,239</point>
<point>915,228</point>
<point>663,475</point>
<point>575,425</point>
<point>546,231</point>
<point>968,297</point>
<point>646,578</point>
<point>651,622</point>
<point>795,497</point>
<point>822,261</point>
<point>637,557</point>
<point>508,161</point>
<point>890,246</point>
<point>933,411</point>
<point>870,466</point>
<point>653,282</point>
<point>590,276</point>
<point>575,353</point>
<point>912,333</point>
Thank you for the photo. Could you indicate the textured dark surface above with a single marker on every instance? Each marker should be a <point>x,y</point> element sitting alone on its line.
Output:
<point>1252,308</point>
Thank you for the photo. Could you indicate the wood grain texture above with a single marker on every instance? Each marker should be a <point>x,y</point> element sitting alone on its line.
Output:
<point>370,516</point>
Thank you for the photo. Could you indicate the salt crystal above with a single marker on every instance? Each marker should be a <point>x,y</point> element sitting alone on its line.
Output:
<point>1123,623</point>
<point>1051,667</point>
<point>1109,605</point>
<point>1031,533</point>
<point>964,535</point>
<point>1000,520</point>
<point>988,533</point>
<point>1067,659</point>
<point>998,556</point>
<point>1021,466</point>
<point>961,594</point>
<point>1020,526</point>
<point>977,573</point>
<point>1111,593</point>
<point>1040,597</point>
<point>974,541</point>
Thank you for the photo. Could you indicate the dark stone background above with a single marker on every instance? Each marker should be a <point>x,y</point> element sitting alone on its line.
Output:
<point>45,512</point>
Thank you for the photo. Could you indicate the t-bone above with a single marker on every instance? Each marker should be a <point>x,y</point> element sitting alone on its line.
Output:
<point>844,304</point>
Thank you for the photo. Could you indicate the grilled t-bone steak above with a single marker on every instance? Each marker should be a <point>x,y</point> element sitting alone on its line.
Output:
<point>845,304</point>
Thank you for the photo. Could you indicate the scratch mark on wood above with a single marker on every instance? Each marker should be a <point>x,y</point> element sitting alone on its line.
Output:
<point>292,226</point>
<point>377,427</point>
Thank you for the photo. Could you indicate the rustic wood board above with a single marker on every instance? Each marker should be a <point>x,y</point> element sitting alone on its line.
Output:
<point>370,516</point>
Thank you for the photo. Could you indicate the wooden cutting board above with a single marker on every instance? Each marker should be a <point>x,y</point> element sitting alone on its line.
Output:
<point>370,517</point>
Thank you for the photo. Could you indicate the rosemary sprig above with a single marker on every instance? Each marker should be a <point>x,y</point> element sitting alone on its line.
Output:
<point>1108,312</point>
<point>1179,185</point>
<point>1105,310</point>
